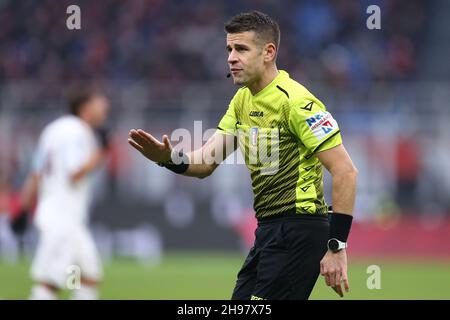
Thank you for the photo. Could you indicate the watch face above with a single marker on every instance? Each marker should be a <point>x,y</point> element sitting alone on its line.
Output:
<point>333,245</point>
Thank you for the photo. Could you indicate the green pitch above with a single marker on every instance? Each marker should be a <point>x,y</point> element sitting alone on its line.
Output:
<point>212,276</point>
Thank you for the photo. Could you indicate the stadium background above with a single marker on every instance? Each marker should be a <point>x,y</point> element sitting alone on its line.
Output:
<point>163,65</point>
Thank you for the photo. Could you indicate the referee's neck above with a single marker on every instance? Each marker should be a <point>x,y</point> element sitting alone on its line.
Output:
<point>266,78</point>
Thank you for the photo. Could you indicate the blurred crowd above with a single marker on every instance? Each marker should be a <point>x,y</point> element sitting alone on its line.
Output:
<point>178,40</point>
<point>164,65</point>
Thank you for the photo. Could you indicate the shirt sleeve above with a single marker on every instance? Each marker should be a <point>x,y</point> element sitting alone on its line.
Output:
<point>227,124</point>
<point>37,164</point>
<point>313,125</point>
<point>76,153</point>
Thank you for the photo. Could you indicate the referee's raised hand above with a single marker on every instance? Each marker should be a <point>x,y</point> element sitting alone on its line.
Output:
<point>334,269</point>
<point>149,146</point>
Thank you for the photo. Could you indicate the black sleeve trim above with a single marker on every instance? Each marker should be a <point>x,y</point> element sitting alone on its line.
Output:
<point>322,143</point>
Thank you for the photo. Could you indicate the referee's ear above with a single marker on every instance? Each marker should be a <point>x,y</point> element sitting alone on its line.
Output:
<point>270,52</point>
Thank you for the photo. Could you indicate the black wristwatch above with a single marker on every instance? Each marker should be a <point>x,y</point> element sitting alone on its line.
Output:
<point>335,245</point>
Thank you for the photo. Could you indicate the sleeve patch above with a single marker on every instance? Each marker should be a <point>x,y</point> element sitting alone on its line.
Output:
<point>322,124</point>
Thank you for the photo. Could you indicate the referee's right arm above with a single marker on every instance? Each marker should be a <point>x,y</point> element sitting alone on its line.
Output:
<point>199,163</point>
<point>204,161</point>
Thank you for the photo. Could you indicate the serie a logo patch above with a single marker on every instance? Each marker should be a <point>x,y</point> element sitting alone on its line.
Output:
<point>254,135</point>
<point>321,124</point>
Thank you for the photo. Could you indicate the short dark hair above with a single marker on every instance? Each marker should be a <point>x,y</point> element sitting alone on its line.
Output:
<point>264,26</point>
<point>77,96</point>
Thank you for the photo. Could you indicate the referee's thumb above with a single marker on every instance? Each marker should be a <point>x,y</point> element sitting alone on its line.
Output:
<point>167,142</point>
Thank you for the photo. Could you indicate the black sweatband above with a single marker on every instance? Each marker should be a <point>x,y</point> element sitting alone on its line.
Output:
<point>340,225</point>
<point>178,164</point>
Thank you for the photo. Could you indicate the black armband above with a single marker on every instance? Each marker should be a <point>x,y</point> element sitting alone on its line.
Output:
<point>178,164</point>
<point>340,225</point>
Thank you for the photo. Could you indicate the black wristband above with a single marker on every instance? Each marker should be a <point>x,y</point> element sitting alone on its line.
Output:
<point>178,164</point>
<point>340,225</point>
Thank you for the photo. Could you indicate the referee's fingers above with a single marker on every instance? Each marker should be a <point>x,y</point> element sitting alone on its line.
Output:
<point>135,145</point>
<point>147,136</point>
<point>337,278</point>
<point>138,138</point>
<point>338,290</point>
<point>337,283</point>
<point>166,142</point>
<point>327,279</point>
<point>345,279</point>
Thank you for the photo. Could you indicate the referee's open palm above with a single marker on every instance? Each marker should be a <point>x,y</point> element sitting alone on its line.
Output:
<point>149,146</point>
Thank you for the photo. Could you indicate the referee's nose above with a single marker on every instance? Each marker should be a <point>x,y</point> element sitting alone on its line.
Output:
<point>232,58</point>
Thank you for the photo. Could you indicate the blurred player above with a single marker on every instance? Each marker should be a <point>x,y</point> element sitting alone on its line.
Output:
<point>294,240</point>
<point>67,153</point>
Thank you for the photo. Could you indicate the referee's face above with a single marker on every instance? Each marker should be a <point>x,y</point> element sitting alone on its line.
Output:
<point>245,57</point>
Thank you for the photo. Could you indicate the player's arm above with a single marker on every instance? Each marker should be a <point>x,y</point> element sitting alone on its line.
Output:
<point>199,163</point>
<point>29,190</point>
<point>94,159</point>
<point>28,195</point>
<point>343,173</point>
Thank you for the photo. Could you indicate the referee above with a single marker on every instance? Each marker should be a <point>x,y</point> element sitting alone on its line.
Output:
<point>297,237</point>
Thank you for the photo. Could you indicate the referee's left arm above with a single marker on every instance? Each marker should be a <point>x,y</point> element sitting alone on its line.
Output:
<point>344,174</point>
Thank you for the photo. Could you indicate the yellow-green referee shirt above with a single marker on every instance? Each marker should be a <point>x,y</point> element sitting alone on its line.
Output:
<point>280,129</point>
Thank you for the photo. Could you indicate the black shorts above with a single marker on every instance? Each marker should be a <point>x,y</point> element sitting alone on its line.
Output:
<point>284,262</point>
